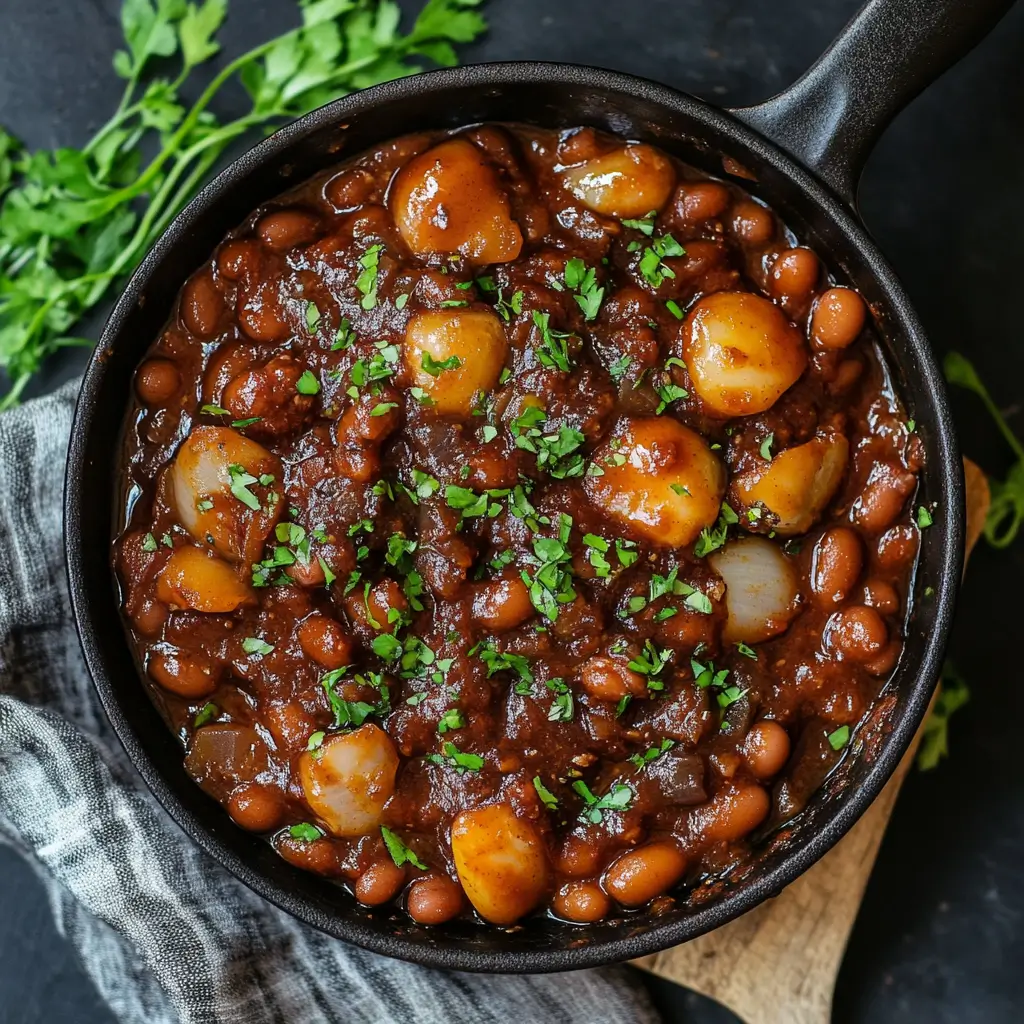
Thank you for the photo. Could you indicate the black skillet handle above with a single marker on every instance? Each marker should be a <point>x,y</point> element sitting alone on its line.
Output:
<point>830,118</point>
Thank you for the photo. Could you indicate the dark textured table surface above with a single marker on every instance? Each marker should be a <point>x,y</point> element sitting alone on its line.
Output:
<point>940,937</point>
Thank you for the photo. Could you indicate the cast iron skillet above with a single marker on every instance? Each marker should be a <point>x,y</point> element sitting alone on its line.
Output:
<point>805,149</point>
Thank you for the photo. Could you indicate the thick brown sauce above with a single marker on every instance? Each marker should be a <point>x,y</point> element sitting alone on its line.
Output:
<point>299,300</point>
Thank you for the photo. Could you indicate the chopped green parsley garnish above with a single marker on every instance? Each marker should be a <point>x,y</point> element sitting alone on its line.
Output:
<point>400,853</point>
<point>454,758</point>
<point>307,384</point>
<point>766,447</point>
<point>435,368</point>
<point>583,281</point>
<point>652,265</point>
<point>241,481</point>
<point>207,713</point>
<point>924,517</point>
<point>644,225</point>
<point>366,283</point>
<point>553,351</point>
<point>712,538</point>
<point>651,754</point>
<point>305,832</point>
<point>618,798</point>
<point>254,645</point>
<point>547,798</point>
<point>312,317</point>
<point>651,662</point>
<point>838,739</point>
<point>451,719</point>
<point>562,706</point>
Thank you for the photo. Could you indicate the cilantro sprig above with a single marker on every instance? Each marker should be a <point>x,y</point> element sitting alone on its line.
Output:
<point>74,223</point>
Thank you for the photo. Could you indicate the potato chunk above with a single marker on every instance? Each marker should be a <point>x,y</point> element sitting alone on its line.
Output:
<point>448,199</point>
<point>349,779</point>
<point>742,353</point>
<point>627,182</point>
<point>197,579</point>
<point>471,341</point>
<point>210,461</point>
<point>798,483</point>
<point>669,487</point>
<point>501,862</point>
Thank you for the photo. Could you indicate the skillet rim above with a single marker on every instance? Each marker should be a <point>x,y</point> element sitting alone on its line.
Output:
<point>949,526</point>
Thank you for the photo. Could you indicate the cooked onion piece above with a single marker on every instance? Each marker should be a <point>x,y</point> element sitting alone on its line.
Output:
<point>211,462</point>
<point>627,182</point>
<point>659,478</point>
<point>454,355</point>
<point>199,580</point>
<point>448,199</point>
<point>761,589</point>
<point>798,483</point>
<point>742,353</point>
<point>500,861</point>
<point>349,779</point>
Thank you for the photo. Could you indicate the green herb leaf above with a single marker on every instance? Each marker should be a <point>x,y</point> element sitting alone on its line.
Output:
<point>435,368</point>
<point>547,798</point>
<point>254,645</point>
<point>838,739</point>
<point>207,713</point>
<point>241,481</point>
<point>305,832</point>
<point>307,384</point>
<point>400,853</point>
<point>766,447</point>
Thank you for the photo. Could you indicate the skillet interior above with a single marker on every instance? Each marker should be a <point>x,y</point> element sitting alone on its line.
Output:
<point>550,96</point>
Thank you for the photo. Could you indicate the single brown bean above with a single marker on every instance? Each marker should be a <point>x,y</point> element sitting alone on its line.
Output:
<point>897,546</point>
<point>731,814</point>
<point>766,748</point>
<point>325,641</point>
<point>887,488</point>
<point>149,616</point>
<point>795,274</point>
<point>838,318</point>
<point>238,259</point>
<point>857,633</point>
<point>319,856</point>
<point>349,189</point>
<point>577,858</point>
<point>285,229</point>
<point>835,565</point>
<point>642,874</point>
<point>607,679</point>
<point>184,676</point>
<point>202,305</point>
<point>157,381</point>
<point>380,882</point>
<point>255,807</point>
<point>699,201</point>
<point>752,224</point>
<point>881,596</point>
<point>582,902</point>
<point>260,314</point>
<point>434,899</point>
<point>290,724</point>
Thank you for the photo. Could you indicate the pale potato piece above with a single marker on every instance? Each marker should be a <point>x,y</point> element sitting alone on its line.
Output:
<point>798,483</point>
<point>473,336</point>
<point>761,589</point>
<point>628,182</point>
<point>349,779</point>
<point>448,199</point>
<point>197,579</point>
<point>200,487</point>
<point>669,487</point>
<point>742,353</point>
<point>501,862</point>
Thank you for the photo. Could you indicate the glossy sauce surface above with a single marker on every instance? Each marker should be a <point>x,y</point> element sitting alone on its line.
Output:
<point>515,522</point>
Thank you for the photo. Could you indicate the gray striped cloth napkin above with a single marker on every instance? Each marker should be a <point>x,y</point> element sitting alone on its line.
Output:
<point>167,935</point>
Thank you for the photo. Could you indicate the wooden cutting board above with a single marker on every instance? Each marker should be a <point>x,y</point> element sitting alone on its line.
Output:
<point>779,962</point>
